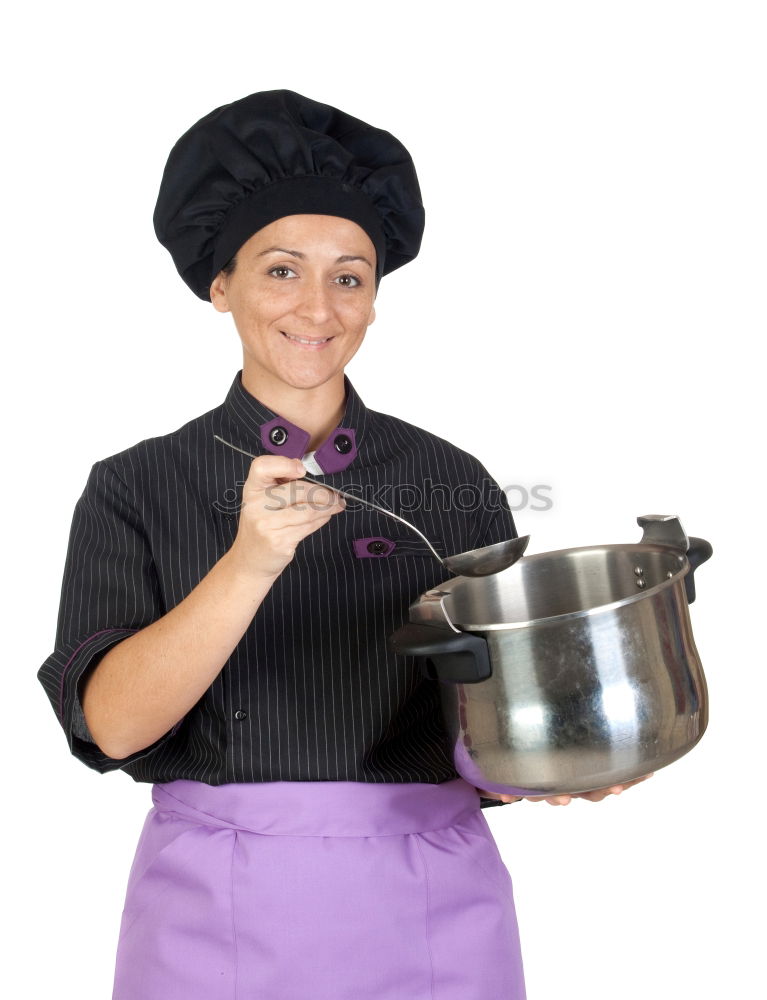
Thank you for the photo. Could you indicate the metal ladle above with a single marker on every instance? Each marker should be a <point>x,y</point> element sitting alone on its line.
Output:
<point>477,562</point>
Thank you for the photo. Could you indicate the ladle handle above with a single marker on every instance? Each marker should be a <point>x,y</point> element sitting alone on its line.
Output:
<point>381,510</point>
<point>349,496</point>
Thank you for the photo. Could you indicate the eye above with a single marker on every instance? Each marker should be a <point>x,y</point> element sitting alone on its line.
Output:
<point>281,271</point>
<point>348,280</point>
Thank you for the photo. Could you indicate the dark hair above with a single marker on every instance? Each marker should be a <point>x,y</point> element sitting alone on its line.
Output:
<point>230,265</point>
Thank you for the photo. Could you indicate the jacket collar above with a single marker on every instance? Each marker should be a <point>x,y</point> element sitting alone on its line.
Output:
<point>266,432</point>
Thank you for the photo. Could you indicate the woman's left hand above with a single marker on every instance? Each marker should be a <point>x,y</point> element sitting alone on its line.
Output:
<point>563,800</point>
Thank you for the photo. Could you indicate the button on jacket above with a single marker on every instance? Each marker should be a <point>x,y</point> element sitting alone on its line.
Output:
<point>311,692</point>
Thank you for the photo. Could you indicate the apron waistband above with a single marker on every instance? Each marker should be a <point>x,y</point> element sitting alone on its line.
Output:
<point>319,808</point>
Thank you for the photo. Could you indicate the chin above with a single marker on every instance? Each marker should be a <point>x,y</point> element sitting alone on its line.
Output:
<point>309,378</point>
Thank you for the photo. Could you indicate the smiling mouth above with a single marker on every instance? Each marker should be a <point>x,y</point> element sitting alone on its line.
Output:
<point>305,340</point>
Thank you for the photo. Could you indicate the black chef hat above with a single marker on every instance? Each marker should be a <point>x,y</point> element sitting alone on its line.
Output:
<point>277,153</point>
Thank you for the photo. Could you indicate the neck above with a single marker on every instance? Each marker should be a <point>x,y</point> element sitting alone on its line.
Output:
<point>318,410</point>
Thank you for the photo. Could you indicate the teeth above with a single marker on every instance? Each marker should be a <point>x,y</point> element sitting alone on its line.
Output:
<point>301,340</point>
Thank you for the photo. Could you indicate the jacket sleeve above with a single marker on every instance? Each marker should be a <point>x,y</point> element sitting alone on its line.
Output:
<point>110,590</point>
<point>494,523</point>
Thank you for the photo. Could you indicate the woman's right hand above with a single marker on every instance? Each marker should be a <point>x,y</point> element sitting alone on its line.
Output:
<point>277,513</point>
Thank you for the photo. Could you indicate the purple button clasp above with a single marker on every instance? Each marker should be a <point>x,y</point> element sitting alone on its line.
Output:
<point>374,547</point>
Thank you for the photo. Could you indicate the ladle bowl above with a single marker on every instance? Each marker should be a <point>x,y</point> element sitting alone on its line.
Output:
<point>476,562</point>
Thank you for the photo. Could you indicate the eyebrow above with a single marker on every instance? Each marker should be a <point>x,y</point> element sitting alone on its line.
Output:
<point>345,259</point>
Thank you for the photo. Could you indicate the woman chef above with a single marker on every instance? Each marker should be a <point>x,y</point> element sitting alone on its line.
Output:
<point>222,630</point>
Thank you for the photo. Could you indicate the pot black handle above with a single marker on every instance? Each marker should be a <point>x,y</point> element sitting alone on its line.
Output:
<point>698,552</point>
<point>457,657</point>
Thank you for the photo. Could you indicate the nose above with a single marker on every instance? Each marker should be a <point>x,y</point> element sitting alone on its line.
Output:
<point>315,302</point>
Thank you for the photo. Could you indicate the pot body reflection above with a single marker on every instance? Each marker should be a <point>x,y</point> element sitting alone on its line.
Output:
<point>587,704</point>
<point>591,676</point>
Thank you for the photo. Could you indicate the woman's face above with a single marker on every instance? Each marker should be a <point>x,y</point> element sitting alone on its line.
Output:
<point>301,296</point>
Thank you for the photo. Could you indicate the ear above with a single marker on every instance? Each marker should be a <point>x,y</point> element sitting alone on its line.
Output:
<point>218,293</point>
<point>372,315</point>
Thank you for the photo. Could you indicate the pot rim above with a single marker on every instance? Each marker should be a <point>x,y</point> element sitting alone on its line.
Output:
<point>672,581</point>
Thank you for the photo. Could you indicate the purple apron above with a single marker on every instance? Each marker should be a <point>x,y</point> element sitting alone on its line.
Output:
<point>324,890</point>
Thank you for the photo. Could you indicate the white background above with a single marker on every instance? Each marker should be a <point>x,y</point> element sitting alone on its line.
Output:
<point>587,312</point>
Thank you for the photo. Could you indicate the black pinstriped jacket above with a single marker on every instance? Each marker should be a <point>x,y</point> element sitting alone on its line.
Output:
<point>311,692</point>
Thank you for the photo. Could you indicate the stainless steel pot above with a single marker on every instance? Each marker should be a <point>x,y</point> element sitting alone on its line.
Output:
<point>571,670</point>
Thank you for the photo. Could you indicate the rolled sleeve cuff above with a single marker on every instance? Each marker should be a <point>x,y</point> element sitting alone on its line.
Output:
<point>70,710</point>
